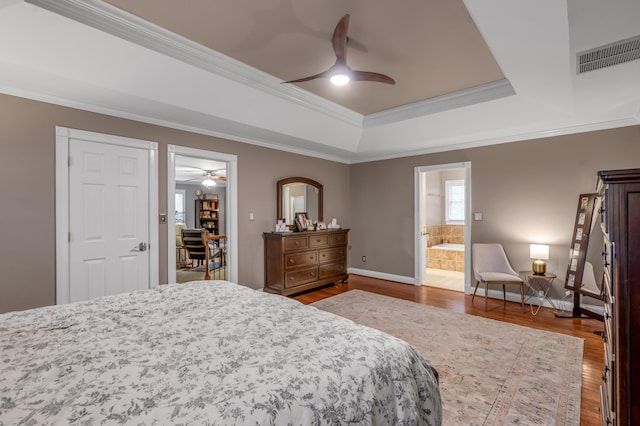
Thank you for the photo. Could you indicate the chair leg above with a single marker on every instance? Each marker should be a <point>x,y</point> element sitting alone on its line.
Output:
<point>486,295</point>
<point>504,294</point>
<point>522,296</point>
<point>474,291</point>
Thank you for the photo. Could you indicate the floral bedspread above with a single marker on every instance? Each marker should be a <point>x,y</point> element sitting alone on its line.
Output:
<point>208,352</point>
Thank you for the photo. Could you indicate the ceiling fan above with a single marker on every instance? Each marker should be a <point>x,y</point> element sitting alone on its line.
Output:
<point>340,73</point>
<point>205,177</point>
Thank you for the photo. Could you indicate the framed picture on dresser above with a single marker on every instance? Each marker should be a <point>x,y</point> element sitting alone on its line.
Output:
<point>301,221</point>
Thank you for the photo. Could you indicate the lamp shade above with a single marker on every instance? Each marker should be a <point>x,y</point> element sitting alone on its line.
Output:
<point>539,251</point>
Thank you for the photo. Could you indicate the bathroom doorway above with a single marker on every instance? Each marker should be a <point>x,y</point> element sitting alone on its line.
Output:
<point>442,200</point>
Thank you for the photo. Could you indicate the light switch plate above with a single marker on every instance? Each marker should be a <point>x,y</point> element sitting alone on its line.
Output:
<point>477,216</point>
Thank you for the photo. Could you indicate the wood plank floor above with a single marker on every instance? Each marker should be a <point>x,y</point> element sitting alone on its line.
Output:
<point>593,360</point>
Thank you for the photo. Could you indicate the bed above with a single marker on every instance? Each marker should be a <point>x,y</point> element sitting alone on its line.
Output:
<point>208,352</point>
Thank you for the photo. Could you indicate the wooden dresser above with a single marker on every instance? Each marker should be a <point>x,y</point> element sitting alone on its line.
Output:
<point>298,261</point>
<point>620,391</point>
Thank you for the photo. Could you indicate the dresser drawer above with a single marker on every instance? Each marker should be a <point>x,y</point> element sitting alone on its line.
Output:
<point>329,255</point>
<point>316,241</point>
<point>338,239</point>
<point>293,279</point>
<point>296,260</point>
<point>330,269</point>
<point>296,243</point>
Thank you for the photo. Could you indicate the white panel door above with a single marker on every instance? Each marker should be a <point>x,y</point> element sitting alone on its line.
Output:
<point>108,219</point>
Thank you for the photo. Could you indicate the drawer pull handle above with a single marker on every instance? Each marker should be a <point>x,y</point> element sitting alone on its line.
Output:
<point>318,240</point>
<point>312,274</point>
<point>290,278</point>
<point>290,260</point>
<point>310,257</point>
<point>340,253</point>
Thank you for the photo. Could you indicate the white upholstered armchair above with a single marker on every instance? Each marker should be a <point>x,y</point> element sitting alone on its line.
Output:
<point>491,266</point>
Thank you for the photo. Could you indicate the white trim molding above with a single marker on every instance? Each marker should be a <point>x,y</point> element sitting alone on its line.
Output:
<point>474,95</point>
<point>231,213</point>
<point>418,190</point>
<point>381,275</point>
<point>117,22</point>
<point>62,138</point>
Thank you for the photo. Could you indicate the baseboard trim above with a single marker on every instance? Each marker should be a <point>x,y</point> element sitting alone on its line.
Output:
<point>382,276</point>
<point>561,305</point>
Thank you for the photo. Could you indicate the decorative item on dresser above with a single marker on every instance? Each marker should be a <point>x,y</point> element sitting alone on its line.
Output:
<point>294,262</point>
<point>620,218</point>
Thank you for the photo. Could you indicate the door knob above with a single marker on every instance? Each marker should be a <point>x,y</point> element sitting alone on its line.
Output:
<point>140,247</point>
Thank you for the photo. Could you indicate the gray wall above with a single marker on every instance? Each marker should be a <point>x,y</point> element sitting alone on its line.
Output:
<point>27,191</point>
<point>528,192</point>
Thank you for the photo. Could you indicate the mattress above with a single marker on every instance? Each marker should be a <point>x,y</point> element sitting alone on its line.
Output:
<point>209,352</point>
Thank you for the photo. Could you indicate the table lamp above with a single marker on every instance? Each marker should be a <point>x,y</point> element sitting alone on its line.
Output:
<point>540,252</point>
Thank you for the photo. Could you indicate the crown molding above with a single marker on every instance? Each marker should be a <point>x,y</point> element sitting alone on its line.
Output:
<point>445,146</point>
<point>117,22</point>
<point>474,95</point>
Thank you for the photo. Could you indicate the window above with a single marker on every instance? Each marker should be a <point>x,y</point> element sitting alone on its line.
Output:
<point>180,205</point>
<point>454,201</point>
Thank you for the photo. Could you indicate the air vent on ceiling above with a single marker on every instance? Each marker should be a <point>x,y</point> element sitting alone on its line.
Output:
<point>608,55</point>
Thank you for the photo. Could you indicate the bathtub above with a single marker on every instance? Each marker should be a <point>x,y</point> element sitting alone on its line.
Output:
<point>447,256</point>
<point>449,246</point>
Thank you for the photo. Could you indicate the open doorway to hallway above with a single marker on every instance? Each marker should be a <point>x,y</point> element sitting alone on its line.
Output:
<point>442,197</point>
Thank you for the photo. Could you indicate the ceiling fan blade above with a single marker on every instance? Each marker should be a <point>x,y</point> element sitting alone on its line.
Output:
<point>323,74</point>
<point>371,76</point>
<point>339,39</point>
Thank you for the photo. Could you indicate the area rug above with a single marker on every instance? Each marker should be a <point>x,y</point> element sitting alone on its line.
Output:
<point>491,372</point>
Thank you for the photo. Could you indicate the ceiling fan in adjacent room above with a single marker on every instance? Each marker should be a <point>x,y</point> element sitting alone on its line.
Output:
<point>340,73</point>
<point>189,174</point>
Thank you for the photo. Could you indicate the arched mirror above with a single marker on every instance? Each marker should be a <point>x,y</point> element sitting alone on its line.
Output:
<point>299,195</point>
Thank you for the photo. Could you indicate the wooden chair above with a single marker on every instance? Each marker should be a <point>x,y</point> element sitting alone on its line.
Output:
<point>195,242</point>
<point>491,266</point>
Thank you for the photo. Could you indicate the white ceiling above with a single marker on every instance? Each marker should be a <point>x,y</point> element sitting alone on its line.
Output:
<point>109,61</point>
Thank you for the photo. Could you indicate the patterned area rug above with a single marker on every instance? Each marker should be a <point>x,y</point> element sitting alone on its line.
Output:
<point>491,372</point>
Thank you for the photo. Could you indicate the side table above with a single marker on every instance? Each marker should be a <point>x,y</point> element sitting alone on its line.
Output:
<point>539,284</point>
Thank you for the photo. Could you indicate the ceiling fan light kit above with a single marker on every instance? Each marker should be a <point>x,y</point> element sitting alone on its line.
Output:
<point>340,73</point>
<point>209,180</point>
<point>340,79</point>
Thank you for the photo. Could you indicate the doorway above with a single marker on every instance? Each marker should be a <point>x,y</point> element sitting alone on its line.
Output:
<point>442,194</point>
<point>106,215</point>
<point>187,169</point>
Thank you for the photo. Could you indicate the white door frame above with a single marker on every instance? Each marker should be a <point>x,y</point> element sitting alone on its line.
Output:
<point>63,135</point>
<point>420,261</point>
<point>230,213</point>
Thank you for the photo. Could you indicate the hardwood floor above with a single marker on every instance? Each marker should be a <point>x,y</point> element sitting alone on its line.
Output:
<point>593,358</point>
